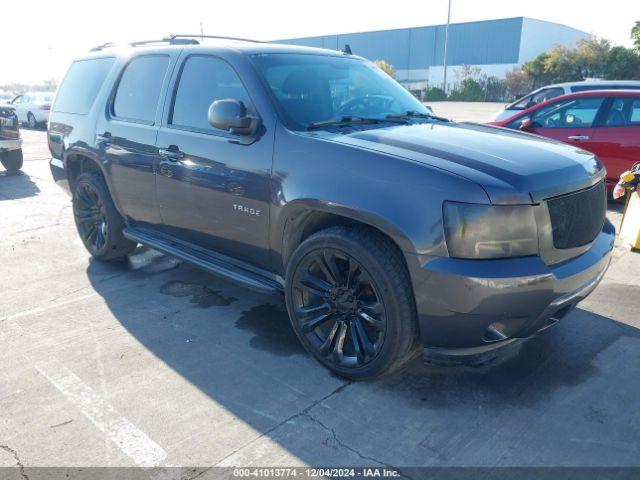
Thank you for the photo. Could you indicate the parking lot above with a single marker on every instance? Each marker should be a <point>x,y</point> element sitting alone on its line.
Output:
<point>154,362</point>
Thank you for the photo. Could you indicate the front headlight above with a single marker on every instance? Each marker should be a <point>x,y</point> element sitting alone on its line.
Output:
<point>490,231</point>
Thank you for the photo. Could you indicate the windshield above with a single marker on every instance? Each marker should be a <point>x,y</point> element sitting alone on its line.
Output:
<point>310,89</point>
<point>42,97</point>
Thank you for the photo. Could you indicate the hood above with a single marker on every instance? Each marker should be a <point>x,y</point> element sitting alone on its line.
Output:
<point>512,167</point>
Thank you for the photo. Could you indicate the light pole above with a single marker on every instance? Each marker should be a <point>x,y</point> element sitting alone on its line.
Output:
<point>446,44</point>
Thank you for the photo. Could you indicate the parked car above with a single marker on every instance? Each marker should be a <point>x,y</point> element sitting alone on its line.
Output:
<point>552,91</point>
<point>33,108</point>
<point>10,141</point>
<point>6,97</point>
<point>278,167</point>
<point>606,123</point>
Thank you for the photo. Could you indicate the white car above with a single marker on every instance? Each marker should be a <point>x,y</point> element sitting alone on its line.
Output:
<point>33,108</point>
<point>551,91</point>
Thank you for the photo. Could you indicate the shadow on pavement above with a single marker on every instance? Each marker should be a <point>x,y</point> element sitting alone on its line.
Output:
<point>561,398</point>
<point>15,185</point>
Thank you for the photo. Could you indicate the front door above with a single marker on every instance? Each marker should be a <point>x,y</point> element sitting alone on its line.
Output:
<point>213,187</point>
<point>126,137</point>
<point>617,140</point>
<point>570,121</point>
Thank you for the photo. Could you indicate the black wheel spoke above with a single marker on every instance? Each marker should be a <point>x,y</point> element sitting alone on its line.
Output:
<point>355,341</point>
<point>316,283</point>
<point>338,347</point>
<point>368,347</point>
<point>352,275</point>
<point>328,265</point>
<point>327,345</point>
<point>372,308</point>
<point>374,322</point>
<point>311,325</point>
<point>90,217</point>
<point>306,311</point>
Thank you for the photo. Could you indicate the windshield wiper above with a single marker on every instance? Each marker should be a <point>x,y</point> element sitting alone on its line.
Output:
<point>414,114</point>
<point>349,120</point>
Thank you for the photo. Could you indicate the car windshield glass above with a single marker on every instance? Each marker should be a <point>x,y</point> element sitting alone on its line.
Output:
<point>311,89</point>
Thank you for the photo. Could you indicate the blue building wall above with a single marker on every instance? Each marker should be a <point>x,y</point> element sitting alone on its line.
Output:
<point>418,53</point>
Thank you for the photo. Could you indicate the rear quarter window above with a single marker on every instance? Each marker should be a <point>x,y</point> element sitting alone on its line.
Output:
<point>81,85</point>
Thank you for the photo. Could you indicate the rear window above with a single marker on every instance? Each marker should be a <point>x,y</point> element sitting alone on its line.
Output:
<point>139,89</point>
<point>584,88</point>
<point>81,85</point>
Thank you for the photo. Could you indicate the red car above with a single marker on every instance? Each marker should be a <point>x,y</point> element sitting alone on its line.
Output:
<point>605,122</point>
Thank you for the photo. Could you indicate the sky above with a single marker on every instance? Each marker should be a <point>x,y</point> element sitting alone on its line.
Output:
<point>40,42</point>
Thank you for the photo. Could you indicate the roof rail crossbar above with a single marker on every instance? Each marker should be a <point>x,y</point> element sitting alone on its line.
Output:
<point>219,37</point>
<point>169,40</point>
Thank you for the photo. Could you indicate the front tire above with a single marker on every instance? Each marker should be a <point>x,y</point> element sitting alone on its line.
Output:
<point>98,222</point>
<point>12,160</point>
<point>350,302</point>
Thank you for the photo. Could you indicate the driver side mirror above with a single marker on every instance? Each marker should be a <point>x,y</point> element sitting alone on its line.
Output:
<point>526,124</point>
<point>230,114</point>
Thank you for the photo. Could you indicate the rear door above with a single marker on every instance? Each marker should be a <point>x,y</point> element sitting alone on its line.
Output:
<point>570,120</point>
<point>126,135</point>
<point>215,191</point>
<point>617,137</point>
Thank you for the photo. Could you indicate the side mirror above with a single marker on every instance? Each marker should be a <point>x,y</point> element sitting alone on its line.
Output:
<point>526,124</point>
<point>230,114</point>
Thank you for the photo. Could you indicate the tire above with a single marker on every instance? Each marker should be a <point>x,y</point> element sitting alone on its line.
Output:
<point>98,222</point>
<point>31,121</point>
<point>12,160</point>
<point>350,302</point>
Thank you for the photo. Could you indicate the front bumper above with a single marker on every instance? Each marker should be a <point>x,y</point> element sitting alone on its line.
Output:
<point>477,305</point>
<point>8,144</point>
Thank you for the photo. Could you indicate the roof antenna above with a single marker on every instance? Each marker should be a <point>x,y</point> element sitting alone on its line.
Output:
<point>347,49</point>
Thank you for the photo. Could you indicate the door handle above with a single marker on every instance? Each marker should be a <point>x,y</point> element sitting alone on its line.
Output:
<point>172,153</point>
<point>578,137</point>
<point>105,138</point>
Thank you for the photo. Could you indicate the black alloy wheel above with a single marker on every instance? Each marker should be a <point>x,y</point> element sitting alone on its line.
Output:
<point>91,218</point>
<point>338,308</point>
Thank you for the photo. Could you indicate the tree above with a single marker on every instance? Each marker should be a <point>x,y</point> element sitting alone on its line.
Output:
<point>434,94</point>
<point>561,65</point>
<point>518,83</point>
<point>536,70</point>
<point>591,57</point>
<point>635,35</point>
<point>386,67</point>
<point>622,64</point>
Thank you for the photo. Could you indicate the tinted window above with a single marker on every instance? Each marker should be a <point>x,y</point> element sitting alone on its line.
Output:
<point>573,113</point>
<point>624,112</point>
<point>203,80</point>
<point>81,85</point>
<point>315,88</point>
<point>139,88</point>
<point>536,98</point>
<point>584,88</point>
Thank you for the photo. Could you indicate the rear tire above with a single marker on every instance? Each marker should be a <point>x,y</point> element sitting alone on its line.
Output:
<point>350,302</point>
<point>12,160</point>
<point>98,222</point>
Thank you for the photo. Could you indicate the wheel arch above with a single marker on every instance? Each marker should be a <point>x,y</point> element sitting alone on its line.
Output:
<point>302,218</point>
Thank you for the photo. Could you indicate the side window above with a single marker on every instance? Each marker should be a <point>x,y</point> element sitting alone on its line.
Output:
<point>536,98</point>
<point>202,81</point>
<point>81,85</point>
<point>139,88</point>
<point>634,117</point>
<point>573,113</point>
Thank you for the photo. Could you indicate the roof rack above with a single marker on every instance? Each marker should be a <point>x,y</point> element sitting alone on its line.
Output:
<point>218,37</point>
<point>181,39</point>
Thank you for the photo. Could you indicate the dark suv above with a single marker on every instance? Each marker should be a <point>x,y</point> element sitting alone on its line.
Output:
<point>10,141</point>
<point>313,173</point>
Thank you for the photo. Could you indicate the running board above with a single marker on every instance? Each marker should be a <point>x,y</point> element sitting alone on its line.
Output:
<point>202,259</point>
